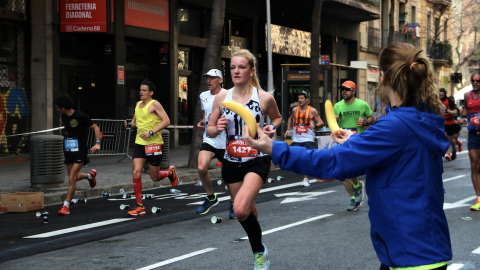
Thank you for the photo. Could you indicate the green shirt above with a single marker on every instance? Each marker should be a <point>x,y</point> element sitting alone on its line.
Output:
<point>348,114</point>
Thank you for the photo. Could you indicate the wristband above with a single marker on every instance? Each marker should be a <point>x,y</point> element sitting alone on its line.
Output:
<point>273,126</point>
<point>151,132</point>
<point>97,141</point>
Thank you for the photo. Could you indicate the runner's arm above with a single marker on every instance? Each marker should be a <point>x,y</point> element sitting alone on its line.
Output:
<point>317,119</point>
<point>453,108</point>
<point>216,114</point>
<point>163,115</point>
<point>465,107</point>
<point>272,111</point>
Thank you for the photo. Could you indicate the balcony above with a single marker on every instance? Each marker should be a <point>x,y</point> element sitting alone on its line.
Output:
<point>445,3</point>
<point>440,54</point>
<point>400,37</point>
<point>374,43</point>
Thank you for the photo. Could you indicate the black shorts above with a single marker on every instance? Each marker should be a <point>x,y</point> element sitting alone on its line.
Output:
<point>139,152</point>
<point>234,172</point>
<point>307,145</point>
<point>450,129</point>
<point>219,153</point>
<point>457,129</point>
<point>76,157</point>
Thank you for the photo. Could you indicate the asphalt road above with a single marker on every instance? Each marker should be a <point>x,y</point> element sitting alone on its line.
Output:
<point>304,228</point>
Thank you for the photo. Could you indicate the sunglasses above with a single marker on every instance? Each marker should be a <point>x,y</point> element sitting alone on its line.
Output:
<point>475,80</point>
<point>346,89</point>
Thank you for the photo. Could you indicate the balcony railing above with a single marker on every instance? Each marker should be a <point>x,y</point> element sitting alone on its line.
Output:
<point>400,37</point>
<point>438,52</point>
<point>373,38</point>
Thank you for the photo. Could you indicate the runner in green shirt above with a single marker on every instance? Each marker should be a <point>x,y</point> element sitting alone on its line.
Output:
<point>351,114</point>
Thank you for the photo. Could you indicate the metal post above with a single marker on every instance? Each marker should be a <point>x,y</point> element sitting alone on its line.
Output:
<point>269,54</point>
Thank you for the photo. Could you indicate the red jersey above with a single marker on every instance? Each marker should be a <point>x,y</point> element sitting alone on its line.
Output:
<point>448,117</point>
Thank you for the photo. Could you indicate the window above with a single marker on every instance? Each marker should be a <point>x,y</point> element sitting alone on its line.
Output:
<point>414,14</point>
<point>190,22</point>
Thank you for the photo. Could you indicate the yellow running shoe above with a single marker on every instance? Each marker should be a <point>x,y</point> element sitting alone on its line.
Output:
<point>476,207</point>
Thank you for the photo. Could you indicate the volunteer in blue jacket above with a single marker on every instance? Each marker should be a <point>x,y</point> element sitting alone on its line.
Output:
<point>401,155</point>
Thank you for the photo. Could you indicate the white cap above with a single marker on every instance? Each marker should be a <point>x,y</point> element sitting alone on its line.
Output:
<point>214,73</point>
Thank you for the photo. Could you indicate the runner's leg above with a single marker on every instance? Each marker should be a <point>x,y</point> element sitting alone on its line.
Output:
<point>73,170</point>
<point>204,158</point>
<point>348,184</point>
<point>475,165</point>
<point>138,164</point>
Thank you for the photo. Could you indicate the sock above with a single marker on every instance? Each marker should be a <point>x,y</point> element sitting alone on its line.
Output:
<point>211,197</point>
<point>353,197</point>
<point>357,185</point>
<point>89,177</point>
<point>67,204</point>
<point>231,202</point>
<point>254,233</point>
<point>164,174</point>
<point>137,188</point>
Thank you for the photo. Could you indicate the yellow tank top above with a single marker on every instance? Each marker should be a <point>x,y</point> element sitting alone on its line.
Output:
<point>146,121</point>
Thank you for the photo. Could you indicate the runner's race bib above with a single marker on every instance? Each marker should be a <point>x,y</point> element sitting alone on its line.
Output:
<point>153,150</point>
<point>353,130</point>
<point>240,149</point>
<point>301,128</point>
<point>71,144</point>
<point>475,119</point>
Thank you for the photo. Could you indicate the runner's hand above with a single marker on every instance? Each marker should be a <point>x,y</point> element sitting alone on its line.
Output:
<point>201,125</point>
<point>325,180</point>
<point>343,137</point>
<point>268,130</point>
<point>145,135</point>
<point>461,121</point>
<point>126,125</point>
<point>312,127</point>
<point>222,124</point>
<point>361,122</point>
<point>288,131</point>
<point>263,144</point>
<point>95,148</point>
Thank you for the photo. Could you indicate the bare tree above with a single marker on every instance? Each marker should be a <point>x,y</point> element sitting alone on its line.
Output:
<point>209,61</point>
<point>391,22</point>
<point>314,56</point>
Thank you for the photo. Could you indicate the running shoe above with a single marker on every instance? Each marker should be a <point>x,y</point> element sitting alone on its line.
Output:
<point>64,210</point>
<point>460,146</point>
<point>358,193</point>
<point>231,215</point>
<point>353,205</point>
<point>448,157</point>
<point>305,182</point>
<point>173,178</point>
<point>207,204</point>
<point>137,210</point>
<point>261,260</point>
<point>93,181</point>
<point>476,207</point>
<point>454,155</point>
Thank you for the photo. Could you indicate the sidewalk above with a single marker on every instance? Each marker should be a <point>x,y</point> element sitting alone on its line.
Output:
<point>112,176</point>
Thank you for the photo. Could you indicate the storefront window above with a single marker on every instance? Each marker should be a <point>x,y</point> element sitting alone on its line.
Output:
<point>183,60</point>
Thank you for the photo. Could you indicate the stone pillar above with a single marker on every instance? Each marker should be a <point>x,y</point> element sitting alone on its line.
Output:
<point>120,60</point>
<point>173,57</point>
<point>42,65</point>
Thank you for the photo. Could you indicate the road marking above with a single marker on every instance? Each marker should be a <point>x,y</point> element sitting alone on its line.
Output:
<point>263,190</point>
<point>476,251</point>
<point>306,196</point>
<point>186,256</point>
<point>79,228</point>
<point>453,178</point>
<point>460,203</point>
<point>292,225</point>
<point>455,266</point>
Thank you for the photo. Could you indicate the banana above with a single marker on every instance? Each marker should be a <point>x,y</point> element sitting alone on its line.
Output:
<point>245,114</point>
<point>332,122</point>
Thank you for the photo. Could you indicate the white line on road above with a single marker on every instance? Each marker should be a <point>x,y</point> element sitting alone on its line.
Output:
<point>455,266</point>
<point>453,178</point>
<point>186,256</point>
<point>79,228</point>
<point>476,251</point>
<point>226,198</point>
<point>291,225</point>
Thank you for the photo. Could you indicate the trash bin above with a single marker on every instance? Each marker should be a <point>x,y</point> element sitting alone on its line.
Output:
<point>165,152</point>
<point>46,161</point>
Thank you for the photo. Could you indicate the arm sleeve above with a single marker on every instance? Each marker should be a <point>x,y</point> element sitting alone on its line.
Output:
<point>377,146</point>
<point>452,105</point>
<point>368,112</point>
<point>88,121</point>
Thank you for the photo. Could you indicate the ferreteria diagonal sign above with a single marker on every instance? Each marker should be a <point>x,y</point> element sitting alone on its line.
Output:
<point>301,196</point>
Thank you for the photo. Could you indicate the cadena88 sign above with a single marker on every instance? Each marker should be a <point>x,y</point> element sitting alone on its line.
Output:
<point>84,16</point>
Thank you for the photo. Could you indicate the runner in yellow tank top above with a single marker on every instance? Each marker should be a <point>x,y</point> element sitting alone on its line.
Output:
<point>149,119</point>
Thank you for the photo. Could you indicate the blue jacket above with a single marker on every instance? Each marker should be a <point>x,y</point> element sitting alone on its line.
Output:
<point>401,155</point>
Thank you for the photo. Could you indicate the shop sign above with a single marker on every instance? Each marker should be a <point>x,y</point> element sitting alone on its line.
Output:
<point>236,43</point>
<point>372,74</point>
<point>84,16</point>
<point>289,41</point>
<point>121,75</point>
<point>325,59</point>
<point>302,77</point>
<point>151,14</point>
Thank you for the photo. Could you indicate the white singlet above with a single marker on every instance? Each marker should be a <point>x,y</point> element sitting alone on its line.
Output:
<point>237,150</point>
<point>206,99</point>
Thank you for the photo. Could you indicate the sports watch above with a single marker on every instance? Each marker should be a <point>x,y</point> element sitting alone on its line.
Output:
<point>97,141</point>
<point>151,132</point>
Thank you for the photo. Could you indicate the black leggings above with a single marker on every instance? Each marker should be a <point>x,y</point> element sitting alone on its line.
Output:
<point>384,267</point>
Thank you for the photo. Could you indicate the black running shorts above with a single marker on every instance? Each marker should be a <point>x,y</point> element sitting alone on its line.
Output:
<point>219,153</point>
<point>457,129</point>
<point>450,129</point>
<point>234,172</point>
<point>139,152</point>
<point>76,157</point>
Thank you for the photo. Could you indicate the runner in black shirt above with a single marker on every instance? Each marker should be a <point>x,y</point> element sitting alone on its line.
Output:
<point>75,146</point>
